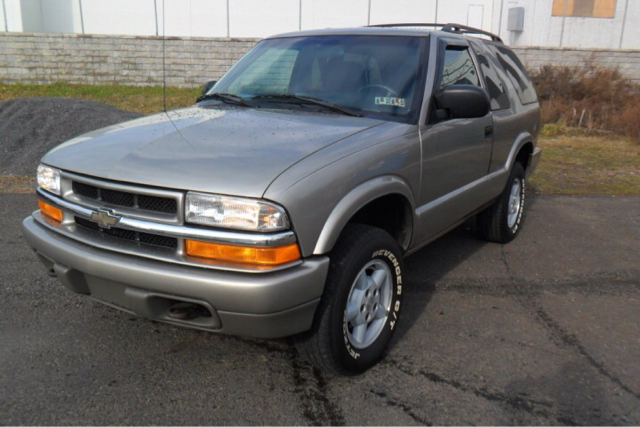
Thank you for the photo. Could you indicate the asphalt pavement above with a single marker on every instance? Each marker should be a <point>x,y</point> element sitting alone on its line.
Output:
<point>545,330</point>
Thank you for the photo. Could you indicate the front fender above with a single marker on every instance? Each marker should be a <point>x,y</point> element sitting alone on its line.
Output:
<point>322,192</point>
<point>356,199</point>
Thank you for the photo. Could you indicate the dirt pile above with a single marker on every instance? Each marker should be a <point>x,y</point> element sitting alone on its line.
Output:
<point>29,127</point>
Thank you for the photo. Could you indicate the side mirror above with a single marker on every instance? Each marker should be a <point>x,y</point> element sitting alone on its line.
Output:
<point>207,86</point>
<point>462,102</point>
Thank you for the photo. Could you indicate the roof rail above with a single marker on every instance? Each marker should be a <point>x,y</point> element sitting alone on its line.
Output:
<point>463,29</point>
<point>407,24</point>
<point>449,28</point>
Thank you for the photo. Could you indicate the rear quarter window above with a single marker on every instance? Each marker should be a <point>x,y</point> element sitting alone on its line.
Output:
<point>492,81</point>
<point>516,72</point>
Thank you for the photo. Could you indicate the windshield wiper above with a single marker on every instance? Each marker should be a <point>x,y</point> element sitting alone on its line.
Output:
<point>228,97</point>
<point>309,100</point>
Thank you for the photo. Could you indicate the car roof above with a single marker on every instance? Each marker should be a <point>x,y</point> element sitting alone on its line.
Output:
<point>411,30</point>
<point>368,31</point>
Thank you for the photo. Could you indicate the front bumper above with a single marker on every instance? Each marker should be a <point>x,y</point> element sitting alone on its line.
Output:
<point>269,305</point>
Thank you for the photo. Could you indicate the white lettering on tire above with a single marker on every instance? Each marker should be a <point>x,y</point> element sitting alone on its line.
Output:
<point>521,210</point>
<point>396,308</point>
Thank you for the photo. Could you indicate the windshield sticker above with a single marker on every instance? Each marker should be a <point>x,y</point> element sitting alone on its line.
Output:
<point>388,100</point>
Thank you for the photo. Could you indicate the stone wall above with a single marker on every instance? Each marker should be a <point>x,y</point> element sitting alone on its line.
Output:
<point>136,60</point>
<point>625,60</point>
<point>96,59</point>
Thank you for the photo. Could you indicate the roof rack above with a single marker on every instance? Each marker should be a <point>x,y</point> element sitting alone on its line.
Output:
<point>463,29</point>
<point>449,28</point>
<point>407,24</point>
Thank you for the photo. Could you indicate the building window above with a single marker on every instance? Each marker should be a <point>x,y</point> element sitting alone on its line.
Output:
<point>584,8</point>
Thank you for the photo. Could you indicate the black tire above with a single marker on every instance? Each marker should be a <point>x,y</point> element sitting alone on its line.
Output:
<point>493,223</point>
<point>328,344</point>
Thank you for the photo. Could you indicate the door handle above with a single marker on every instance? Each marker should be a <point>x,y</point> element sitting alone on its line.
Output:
<point>488,132</point>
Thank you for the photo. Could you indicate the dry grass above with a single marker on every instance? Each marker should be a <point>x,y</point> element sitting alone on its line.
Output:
<point>143,99</point>
<point>597,99</point>
<point>17,184</point>
<point>583,164</point>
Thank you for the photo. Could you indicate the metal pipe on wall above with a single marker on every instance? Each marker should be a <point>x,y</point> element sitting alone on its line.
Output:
<point>564,18</point>
<point>228,21</point>
<point>4,13</point>
<point>500,19</point>
<point>624,22</point>
<point>81,16</point>
<point>155,10</point>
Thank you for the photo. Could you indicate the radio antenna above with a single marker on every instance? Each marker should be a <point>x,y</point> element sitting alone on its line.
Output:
<point>164,66</point>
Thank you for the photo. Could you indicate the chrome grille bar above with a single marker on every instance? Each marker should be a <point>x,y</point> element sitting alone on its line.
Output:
<point>178,231</point>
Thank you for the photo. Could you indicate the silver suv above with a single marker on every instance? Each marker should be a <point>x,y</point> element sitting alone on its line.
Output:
<point>284,201</point>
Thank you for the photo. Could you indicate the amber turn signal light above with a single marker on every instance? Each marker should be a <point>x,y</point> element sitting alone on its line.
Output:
<point>50,211</point>
<point>256,256</point>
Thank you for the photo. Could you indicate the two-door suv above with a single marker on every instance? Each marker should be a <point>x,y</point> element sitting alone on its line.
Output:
<point>284,201</point>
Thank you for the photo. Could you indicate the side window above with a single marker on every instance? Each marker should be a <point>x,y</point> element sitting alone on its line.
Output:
<point>492,81</point>
<point>458,68</point>
<point>516,73</point>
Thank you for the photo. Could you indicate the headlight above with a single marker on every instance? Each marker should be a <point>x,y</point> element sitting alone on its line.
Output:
<point>234,212</point>
<point>49,179</point>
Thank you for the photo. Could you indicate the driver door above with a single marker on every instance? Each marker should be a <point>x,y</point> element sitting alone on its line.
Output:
<point>455,152</point>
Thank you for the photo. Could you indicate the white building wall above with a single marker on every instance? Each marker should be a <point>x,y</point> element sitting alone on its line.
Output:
<point>194,18</point>
<point>467,12</point>
<point>543,29</point>
<point>324,13</point>
<point>631,34</point>
<point>3,18</point>
<point>12,10</point>
<point>137,17</point>
<point>259,18</point>
<point>247,18</point>
<point>384,11</point>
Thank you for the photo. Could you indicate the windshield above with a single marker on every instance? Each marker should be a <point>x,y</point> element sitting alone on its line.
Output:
<point>373,75</point>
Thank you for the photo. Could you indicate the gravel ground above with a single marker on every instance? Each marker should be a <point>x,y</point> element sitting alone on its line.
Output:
<point>29,127</point>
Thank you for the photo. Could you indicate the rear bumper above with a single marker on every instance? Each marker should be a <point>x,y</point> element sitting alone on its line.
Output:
<point>534,159</point>
<point>268,305</point>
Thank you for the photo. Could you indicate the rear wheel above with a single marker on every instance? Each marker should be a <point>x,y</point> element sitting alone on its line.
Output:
<point>502,221</point>
<point>361,303</point>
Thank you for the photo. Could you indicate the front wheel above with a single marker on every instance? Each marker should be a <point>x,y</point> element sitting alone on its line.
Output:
<point>502,221</point>
<point>361,303</point>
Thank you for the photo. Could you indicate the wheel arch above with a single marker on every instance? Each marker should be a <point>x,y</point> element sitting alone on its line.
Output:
<point>521,150</point>
<point>358,204</point>
<point>524,154</point>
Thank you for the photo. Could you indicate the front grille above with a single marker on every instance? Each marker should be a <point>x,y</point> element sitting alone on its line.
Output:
<point>85,190</point>
<point>158,204</point>
<point>121,233</point>
<point>119,198</point>
<point>154,239</point>
<point>126,199</point>
<point>88,224</point>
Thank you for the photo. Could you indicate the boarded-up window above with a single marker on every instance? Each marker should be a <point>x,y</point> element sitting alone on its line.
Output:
<point>585,8</point>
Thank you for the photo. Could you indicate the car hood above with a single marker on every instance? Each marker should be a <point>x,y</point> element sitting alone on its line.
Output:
<point>225,149</point>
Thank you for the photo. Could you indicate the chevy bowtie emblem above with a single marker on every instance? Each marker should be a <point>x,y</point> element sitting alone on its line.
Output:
<point>105,218</point>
